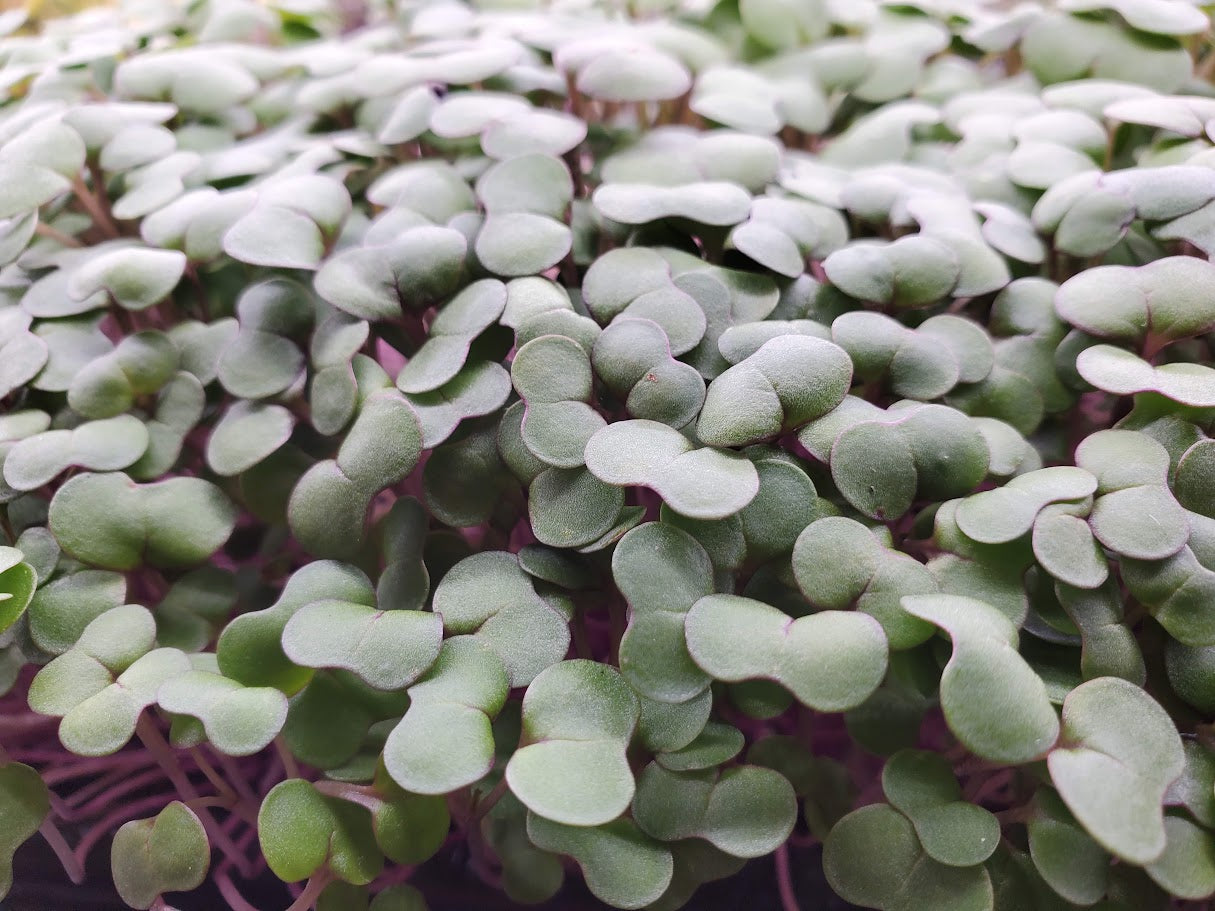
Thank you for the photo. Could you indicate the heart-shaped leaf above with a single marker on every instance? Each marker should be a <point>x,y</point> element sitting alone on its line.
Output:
<point>26,803</point>
<point>633,358</point>
<point>746,811</point>
<point>654,655</point>
<point>789,381</point>
<point>718,203</point>
<point>108,520</point>
<point>238,720</point>
<point>301,830</point>
<point>250,648</point>
<point>102,685</point>
<point>1187,866</point>
<point>388,649</point>
<point>444,742</point>
<point>330,501</point>
<point>1118,753</point>
<point>458,323</point>
<point>134,277</point>
<point>578,718</point>
<point>1069,860</point>
<point>831,661</point>
<point>622,865</point>
<point>874,858</point>
<point>418,268</point>
<point>488,595</point>
<point>700,483</point>
<point>39,163</point>
<point>993,701</point>
<point>952,831</point>
<point>107,445</point>
<point>246,434</point>
<point>18,579</point>
<point>1123,373</point>
<point>167,853</point>
<point>838,563</point>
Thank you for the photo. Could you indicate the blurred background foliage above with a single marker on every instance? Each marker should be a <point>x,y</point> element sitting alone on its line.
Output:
<point>40,10</point>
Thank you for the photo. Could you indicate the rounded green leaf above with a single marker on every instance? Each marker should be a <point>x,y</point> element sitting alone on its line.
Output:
<point>654,656</point>
<point>873,467</point>
<point>570,507</point>
<point>1119,751</point>
<point>1186,869</point>
<point>831,661</point>
<point>699,483</point>
<point>488,595</point>
<point>168,853</point>
<point>389,649</point>
<point>922,786</point>
<point>521,243</point>
<point>622,865</point>
<point>300,830</point>
<point>1123,373</point>
<point>993,701</point>
<point>135,277</point>
<point>873,858</point>
<point>578,718</point>
<point>1191,672</point>
<point>717,203</point>
<point>746,811</point>
<point>247,433</point>
<point>25,803</point>
<point>633,74</point>
<point>789,381</point>
<point>18,580</point>
<point>250,650</point>
<point>238,720</point>
<point>444,741</point>
<point>108,520</point>
<point>1069,860</point>
<point>1194,485</point>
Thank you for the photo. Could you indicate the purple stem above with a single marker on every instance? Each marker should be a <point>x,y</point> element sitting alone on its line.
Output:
<point>102,827</point>
<point>71,865</point>
<point>784,881</point>
<point>110,796</point>
<point>231,894</point>
<point>156,744</point>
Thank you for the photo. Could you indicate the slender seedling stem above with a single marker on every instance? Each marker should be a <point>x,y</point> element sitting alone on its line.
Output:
<point>155,743</point>
<point>124,764</point>
<point>212,801</point>
<point>784,881</point>
<point>236,778</point>
<point>97,212</point>
<point>116,790</point>
<point>484,806</point>
<point>353,793</point>
<point>290,768</point>
<point>217,780</point>
<point>56,235</point>
<point>312,891</point>
<point>104,826</point>
<point>54,838</point>
<point>231,894</point>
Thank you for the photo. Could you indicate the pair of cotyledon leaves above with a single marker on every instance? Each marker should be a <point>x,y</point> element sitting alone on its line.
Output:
<point>927,845</point>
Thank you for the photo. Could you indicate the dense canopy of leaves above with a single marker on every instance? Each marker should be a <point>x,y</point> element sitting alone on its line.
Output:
<point>612,441</point>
